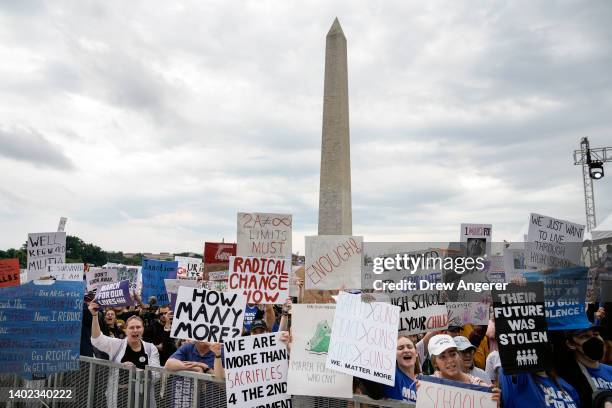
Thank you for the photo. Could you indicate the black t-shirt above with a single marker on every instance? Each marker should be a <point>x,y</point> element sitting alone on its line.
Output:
<point>138,358</point>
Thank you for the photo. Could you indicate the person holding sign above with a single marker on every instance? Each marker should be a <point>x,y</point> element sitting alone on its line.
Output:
<point>541,389</point>
<point>406,370</point>
<point>467,351</point>
<point>449,365</point>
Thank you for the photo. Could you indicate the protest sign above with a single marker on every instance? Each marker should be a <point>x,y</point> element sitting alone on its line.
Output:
<point>477,239</point>
<point>364,339</point>
<point>294,287</point>
<point>437,392</point>
<point>23,276</point>
<point>565,297</point>
<point>188,267</point>
<point>41,327</point>
<point>514,264</point>
<point>264,235</point>
<point>496,271</point>
<point>219,286</point>
<point>218,276</point>
<point>129,273</point>
<point>262,280</point>
<point>172,286</point>
<point>207,315</point>
<point>462,313</point>
<point>62,224</point>
<point>520,328</point>
<point>333,262</point>
<point>553,243</point>
<point>420,312</point>
<point>153,275</point>
<point>97,277</point>
<point>44,249</point>
<point>67,271</point>
<point>256,372</point>
<point>114,294</point>
<point>307,372</point>
<point>9,272</point>
<point>216,257</point>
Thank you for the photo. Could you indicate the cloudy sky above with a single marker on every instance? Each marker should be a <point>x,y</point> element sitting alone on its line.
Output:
<point>150,125</point>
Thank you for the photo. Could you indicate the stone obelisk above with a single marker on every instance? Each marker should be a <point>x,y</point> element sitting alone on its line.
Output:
<point>335,212</point>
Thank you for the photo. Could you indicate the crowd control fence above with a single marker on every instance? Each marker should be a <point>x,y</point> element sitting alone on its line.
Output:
<point>104,384</point>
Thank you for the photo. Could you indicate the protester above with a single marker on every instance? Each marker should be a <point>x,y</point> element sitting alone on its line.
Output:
<point>114,330</point>
<point>258,326</point>
<point>467,349</point>
<point>406,370</point>
<point>201,357</point>
<point>541,389</point>
<point>493,362</point>
<point>158,333</point>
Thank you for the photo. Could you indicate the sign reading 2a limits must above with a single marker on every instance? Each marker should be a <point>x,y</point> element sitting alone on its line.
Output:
<point>521,329</point>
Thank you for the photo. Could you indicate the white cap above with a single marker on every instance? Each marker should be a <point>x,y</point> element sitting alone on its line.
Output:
<point>463,343</point>
<point>440,343</point>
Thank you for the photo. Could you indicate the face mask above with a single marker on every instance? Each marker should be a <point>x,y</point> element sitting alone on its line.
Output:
<point>593,348</point>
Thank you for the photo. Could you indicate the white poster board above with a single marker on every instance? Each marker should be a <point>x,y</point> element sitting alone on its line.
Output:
<point>477,239</point>
<point>333,262</point>
<point>264,357</point>
<point>352,349</point>
<point>44,249</point>
<point>420,312</point>
<point>436,392</point>
<point>264,235</point>
<point>553,243</point>
<point>188,267</point>
<point>261,280</point>
<point>96,277</point>
<point>307,372</point>
<point>70,271</point>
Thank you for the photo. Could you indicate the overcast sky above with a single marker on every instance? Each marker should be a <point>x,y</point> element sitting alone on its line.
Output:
<point>150,125</point>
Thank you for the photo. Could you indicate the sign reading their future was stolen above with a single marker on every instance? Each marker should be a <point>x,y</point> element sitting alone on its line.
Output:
<point>553,243</point>
<point>520,328</point>
<point>207,315</point>
<point>364,339</point>
<point>333,262</point>
<point>256,372</point>
<point>153,275</point>
<point>41,327</point>
<point>44,249</point>
<point>264,235</point>
<point>262,280</point>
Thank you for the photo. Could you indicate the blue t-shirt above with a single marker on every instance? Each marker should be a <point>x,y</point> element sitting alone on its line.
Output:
<point>532,390</point>
<point>602,376</point>
<point>182,388</point>
<point>249,315</point>
<point>189,352</point>
<point>404,388</point>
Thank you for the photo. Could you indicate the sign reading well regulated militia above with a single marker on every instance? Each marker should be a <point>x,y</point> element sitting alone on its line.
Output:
<point>553,243</point>
<point>44,249</point>
<point>521,329</point>
<point>262,280</point>
<point>264,235</point>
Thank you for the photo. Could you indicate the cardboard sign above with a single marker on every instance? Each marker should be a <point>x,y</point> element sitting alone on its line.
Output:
<point>439,392</point>
<point>264,358</point>
<point>97,277</point>
<point>553,243</point>
<point>521,329</point>
<point>9,272</point>
<point>307,372</point>
<point>188,267</point>
<point>333,262</point>
<point>41,327</point>
<point>172,286</point>
<point>218,253</point>
<point>70,271</point>
<point>206,315</point>
<point>218,276</point>
<point>477,239</point>
<point>565,296</point>
<point>262,280</point>
<point>129,273</point>
<point>420,313</point>
<point>264,235</point>
<point>114,294</point>
<point>364,339</point>
<point>62,224</point>
<point>153,275</point>
<point>44,249</point>
<point>462,313</point>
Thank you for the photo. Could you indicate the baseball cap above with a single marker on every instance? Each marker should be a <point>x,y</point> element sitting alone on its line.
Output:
<point>258,324</point>
<point>463,343</point>
<point>440,343</point>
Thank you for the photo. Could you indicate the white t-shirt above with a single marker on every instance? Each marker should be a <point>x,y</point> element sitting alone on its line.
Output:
<point>492,365</point>
<point>480,373</point>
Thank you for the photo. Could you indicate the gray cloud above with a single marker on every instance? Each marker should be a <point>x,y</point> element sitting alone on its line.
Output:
<point>30,146</point>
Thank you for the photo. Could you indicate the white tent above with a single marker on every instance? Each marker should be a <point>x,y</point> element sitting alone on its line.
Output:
<point>603,230</point>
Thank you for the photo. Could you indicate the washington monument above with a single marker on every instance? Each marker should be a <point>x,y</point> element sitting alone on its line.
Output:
<point>335,213</point>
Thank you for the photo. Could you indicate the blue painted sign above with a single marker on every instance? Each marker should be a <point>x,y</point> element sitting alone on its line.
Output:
<point>153,275</point>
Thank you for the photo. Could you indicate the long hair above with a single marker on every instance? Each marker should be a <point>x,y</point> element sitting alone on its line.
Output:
<point>417,364</point>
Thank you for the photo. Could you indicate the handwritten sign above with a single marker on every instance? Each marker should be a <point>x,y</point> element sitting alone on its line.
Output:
<point>553,243</point>
<point>333,262</point>
<point>264,235</point>
<point>218,276</point>
<point>62,224</point>
<point>421,312</point>
<point>462,313</point>
<point>41,328</point>
<point>263,357</point>
<point>97,277</point>
<point>206,315</point>
<point>67,271</point>
<point>44,249</point>
<point>477,239</point>
<point>188,267</point>
<point>307,372</point>
<point>114,294</point>
<point>520,328</point>
<point>364,339</point>
<point>262,280</point>
<point>9,272</point>
<point>172,286</point>
<point>129,273</point>
<point>439,392</point>
<point>153,275</point>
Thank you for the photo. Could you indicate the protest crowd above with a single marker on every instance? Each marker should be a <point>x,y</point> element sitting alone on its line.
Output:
<point>269,329</point>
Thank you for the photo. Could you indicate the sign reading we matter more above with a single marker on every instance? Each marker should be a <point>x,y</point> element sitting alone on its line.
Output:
<point>44,249</point>
<point>264,235</point>
<point>553,243</point>
<point>262,280</point>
